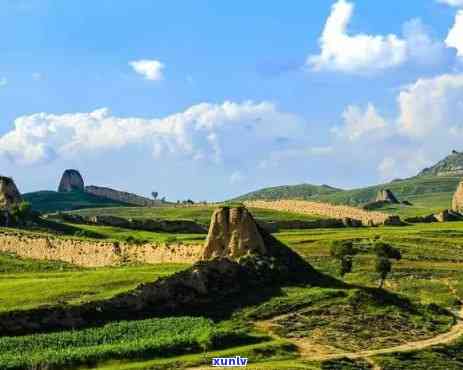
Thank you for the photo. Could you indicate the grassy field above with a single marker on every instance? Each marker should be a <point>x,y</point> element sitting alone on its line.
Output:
<point>140,236</point>
<point>27,284</point>
<point>200,214</point>
<point>425,286</point>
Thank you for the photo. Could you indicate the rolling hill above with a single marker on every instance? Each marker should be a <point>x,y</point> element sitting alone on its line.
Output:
<point>432,189</point>
<point>52,201</point>
<point>303,191</point>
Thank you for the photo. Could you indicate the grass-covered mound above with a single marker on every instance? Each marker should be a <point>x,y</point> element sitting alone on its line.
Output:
<point>363,319</point>
<point>52,201</point>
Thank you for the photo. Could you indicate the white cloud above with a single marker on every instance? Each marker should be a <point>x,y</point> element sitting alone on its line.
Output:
<point>212,132</point>
<point>422,49</point>
<point>430,108</point>
<point>456,3</point>
<point>150,69</point>
<point>3,81</point>
<point>363,53</point>
<point>37,76</point>
<point>355,53</point>
<point>455,36</point>
<point>428,124</point>
<point>359,123</point>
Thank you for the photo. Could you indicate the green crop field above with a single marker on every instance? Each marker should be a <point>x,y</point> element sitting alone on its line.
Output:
<point>27,284</point>
<point>200,214</point>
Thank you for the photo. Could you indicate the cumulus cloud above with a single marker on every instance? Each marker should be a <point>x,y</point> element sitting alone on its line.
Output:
<point>150,69</point>
<point>3,81</point>
<point>456,3</point>
<point>359,123</point>
<point>350,53</point>
<point>428,124</point>
<point>212,132</point>
<point>455,36</point>
<point>432,107</point>
<point>360,53</point>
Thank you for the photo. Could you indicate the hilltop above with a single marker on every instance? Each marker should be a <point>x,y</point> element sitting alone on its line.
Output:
<point>52,201</point>
<point>452,165</point>
<point>303,191</point>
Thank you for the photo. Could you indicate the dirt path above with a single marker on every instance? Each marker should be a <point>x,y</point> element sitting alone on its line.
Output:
<point>314,352</point>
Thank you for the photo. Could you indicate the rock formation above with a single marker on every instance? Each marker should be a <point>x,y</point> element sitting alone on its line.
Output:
<point>233,233</point>
<point>386,195</point>
<point>457,202</point>
<point>121,196</point>
<point>71,181</point>
<point>9,193</point>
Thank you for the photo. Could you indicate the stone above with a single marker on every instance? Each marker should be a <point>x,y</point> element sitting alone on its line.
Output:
<point>9,193</point>
<point>447,216</point>
<point>386,195</point>
<point>71,181</point>
<point>457,202</point>
<point>233,233</point>
<point>394,221</point>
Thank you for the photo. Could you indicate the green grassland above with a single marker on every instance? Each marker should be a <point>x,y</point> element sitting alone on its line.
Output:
<point>28,284</point>
<point>138,236</point>
<point>200,214</point>
<point>424,287</point>
<point>52,201</point>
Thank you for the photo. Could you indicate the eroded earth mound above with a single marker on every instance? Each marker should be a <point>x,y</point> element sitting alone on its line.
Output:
<point>457,202</point>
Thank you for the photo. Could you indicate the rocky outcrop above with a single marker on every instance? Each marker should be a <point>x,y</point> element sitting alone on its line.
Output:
<point>394,221</point>
<point>457,202</point>
<point>71,181</point>
<point>448,216</point>
<point>122,196</point>
<point>444,216</point>
<point>233,233</point>
<point>386,195</point>
<point>9,193</point>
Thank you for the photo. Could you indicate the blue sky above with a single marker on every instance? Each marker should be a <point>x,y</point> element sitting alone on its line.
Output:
<point>210,99</point>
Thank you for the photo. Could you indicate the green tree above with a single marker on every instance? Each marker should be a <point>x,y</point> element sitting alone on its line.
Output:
<point>344,252</point>
<point>383,268</point>
<point>384,253</point>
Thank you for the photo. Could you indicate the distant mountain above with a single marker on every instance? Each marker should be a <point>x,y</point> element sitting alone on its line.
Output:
<point>303,191</point>
<point>433,187</point>
<point>451,165</point>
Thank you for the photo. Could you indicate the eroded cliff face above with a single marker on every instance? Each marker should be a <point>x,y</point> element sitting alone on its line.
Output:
<point>233,233</point>
<point>71,181</point>
<point>9,193</point>
<point>89,253</point>
<point>457,202</point>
